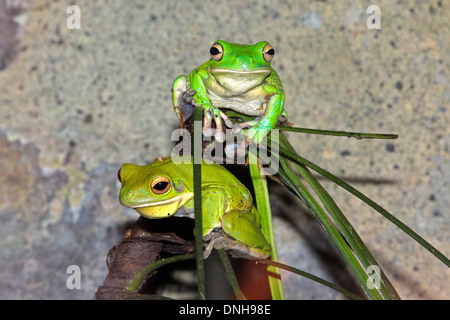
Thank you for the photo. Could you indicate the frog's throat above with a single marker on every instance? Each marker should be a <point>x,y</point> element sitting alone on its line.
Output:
<point>238,82</point>
<point>165,208</point>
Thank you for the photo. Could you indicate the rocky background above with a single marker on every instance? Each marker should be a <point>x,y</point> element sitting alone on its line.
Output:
<point>77,103</point>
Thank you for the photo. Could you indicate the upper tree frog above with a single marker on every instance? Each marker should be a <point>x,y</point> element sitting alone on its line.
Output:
<point>237,77</point>
<point>164,189</point>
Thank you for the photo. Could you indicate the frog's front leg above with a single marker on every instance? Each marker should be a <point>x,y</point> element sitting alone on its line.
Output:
<point>211,113</point>
<point>258,129</point>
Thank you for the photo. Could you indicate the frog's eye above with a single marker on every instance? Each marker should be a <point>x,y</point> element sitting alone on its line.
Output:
<point>216,51</point>
<point>268,52</point>
<point>160,185</point>
<point>119,176</point>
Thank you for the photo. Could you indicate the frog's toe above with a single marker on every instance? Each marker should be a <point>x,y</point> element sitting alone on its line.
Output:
<point>219,136</point>
<point>230,150</point>
<point>218,132</point>
<point>256,135</point>
<point>234,150</point>
<point>207,130</point>
<point>208,249</point>
<point>248,124</point>
<point>282,119</point>
<point>242,147</point>
<point>218,119</point>
<point>188,96</point>
<point>227,120</point>
<point>236,128</point>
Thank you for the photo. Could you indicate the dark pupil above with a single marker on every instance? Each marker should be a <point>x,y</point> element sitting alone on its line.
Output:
<point>160,186</point>
<point>271,52</point>
<point>214,51</point>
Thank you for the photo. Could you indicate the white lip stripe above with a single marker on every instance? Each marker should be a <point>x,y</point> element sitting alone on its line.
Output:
<point>154,204</point>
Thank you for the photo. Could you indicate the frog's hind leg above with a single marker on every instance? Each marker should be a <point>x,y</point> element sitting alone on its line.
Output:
<point>249,241</point>
<point>178,89</point>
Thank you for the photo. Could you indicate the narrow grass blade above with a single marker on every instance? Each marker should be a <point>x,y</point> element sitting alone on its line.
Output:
<point>140,276</point>
<point>231,276</point>
<point>348,134</point>
<point>197,168</point>
<point>359,269</point>
<point>263,206</point>
<point>312,277</point>
<point>363,254</point>
<point>342,245</point>
<point>300,160</point>
<point>295,158</point>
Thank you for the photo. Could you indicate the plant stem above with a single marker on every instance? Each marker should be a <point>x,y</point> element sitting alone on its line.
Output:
<point>263,206</point>
<point>359,249</point>
<point>298,159</point>
<point>136,281</point>
<point>311,277</point>
<point>231,275</point>
<point>197,168</point>
<point>348,134</point>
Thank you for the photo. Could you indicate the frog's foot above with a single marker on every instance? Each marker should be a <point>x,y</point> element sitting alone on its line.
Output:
<point>282,120</point>
<point>256,132</point>
<point>216,115</point>
<point>185,109</point>
<point>233,247</point>
<point>188,96</point>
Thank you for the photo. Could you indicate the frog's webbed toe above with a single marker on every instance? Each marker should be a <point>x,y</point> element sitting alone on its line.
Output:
<point>258,133</point>
<point>243,125</point>
<point>207,129</point>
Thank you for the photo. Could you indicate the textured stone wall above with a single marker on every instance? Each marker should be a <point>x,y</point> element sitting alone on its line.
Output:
<point>75,104</point>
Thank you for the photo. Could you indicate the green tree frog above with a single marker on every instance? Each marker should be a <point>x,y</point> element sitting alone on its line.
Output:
<point>237,77</point>
<point>163,189</point>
